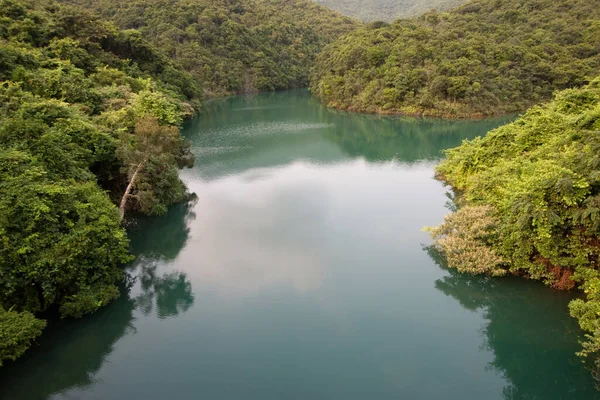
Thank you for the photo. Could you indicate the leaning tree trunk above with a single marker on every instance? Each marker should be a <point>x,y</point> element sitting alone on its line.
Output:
<point>128,191</point>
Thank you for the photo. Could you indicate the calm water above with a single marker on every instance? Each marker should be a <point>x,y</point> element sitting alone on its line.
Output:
<point>300,271</point>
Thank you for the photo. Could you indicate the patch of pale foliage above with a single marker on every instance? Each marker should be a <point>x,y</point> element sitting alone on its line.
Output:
<point>465,238</point>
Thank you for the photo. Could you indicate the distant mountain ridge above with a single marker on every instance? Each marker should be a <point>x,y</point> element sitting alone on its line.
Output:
<point>387,10</point>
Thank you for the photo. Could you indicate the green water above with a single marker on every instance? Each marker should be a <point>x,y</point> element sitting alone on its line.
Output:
<point>300,271</point>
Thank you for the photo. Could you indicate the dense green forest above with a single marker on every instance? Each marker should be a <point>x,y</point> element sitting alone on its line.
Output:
<point>83,105</point>
<point>484,58</point>
<point>388,10</point>
<point>529,201</point>
<point>233,46</point>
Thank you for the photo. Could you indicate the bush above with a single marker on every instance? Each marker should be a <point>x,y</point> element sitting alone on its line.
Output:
<point>17,331</point>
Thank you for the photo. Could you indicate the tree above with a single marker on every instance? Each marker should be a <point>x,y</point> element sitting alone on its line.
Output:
<point>66,93</point>
<point>17,330</point>
<point>60,240</point>
<point>151,156</point>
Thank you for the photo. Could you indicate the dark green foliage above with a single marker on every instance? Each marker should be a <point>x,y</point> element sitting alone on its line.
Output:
<point>72,88</point>
<point>88,300</point>
<point>484,58</point>
<point>58,238</point>
<point>231,46</point>
<point>17,330</point>
<point>59,232</point>
<point>539,180</point>
<point>78,43</point>
<point>387,10</point>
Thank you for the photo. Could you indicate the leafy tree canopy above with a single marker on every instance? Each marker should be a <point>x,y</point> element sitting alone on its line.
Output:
<point>484,58</point>
<point>232,46</point>
<point>17,330</point>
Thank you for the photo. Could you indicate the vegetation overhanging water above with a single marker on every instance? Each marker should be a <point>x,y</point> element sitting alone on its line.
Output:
<point>300,271</point>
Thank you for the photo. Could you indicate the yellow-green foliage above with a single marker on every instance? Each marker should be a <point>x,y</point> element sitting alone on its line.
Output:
<point>467,238</point>
<point>539,180</point>
<point>486,57</point>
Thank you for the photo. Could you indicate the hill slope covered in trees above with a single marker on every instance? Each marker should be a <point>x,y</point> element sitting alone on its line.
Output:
<point>486,57</point>
<point>529,196</point>
<point>388,10</point>
<point>233,46</point>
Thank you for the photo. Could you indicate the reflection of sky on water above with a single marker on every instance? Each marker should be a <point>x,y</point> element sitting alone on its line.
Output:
<point>270,226</point>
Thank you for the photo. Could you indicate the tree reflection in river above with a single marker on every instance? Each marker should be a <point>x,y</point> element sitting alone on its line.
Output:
<point>169,232</point>
<point>156,241</point>
<point>529,331</point>
<point>170,293</point>
<point>83,344</point>
<point>404,139</point>
<point>294,127</point>
<point>86,344</point>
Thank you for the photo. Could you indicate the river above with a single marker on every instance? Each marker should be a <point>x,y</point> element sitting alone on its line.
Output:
<point>300,271</point>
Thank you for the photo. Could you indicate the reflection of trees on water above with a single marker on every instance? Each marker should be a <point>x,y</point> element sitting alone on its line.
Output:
<point>378,138</point>
<point>233,123</point>
<point>164,236</point>
<point>529,331</point>
<point>70,353</point>
<point>255,107</point>
<point>169,294</point>
<point>155,241</point>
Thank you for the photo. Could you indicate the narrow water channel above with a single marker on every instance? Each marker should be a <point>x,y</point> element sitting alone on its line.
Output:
<point>300,271</point>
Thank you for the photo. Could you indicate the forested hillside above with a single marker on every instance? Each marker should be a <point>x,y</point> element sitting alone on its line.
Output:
<point>388,10</point>
<point>529,196</point>
<point>82,106</point>
<point>484,58</point>
<point>233,46</point>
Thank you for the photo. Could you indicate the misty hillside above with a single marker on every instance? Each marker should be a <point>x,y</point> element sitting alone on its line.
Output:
<point>387,10</point>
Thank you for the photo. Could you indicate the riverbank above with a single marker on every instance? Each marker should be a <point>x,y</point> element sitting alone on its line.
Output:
<point>301,270</point>
<point>529,202</point>
<point>454,112</point>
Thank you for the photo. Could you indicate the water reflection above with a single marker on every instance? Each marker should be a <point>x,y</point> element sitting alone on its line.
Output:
<point>528,330</point>
<point>236,134</point>
<point>297,273</point>
<point>404,139</point>
<point>71,353</point>
<point>83,345</point>
<point>169,294</point>
<point>259,229</point>
<point>157,241</point>
<point>172,234</point>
